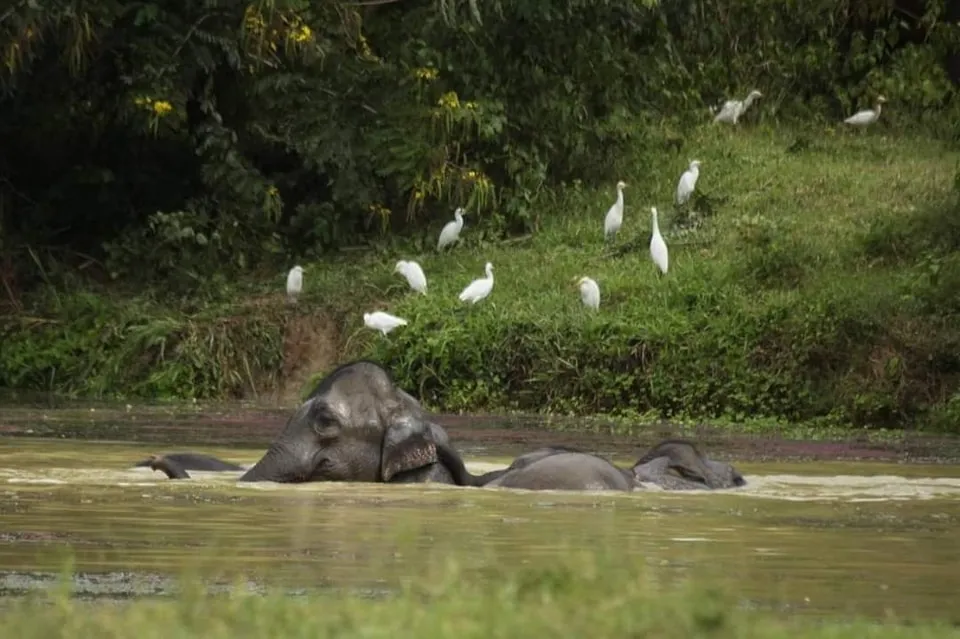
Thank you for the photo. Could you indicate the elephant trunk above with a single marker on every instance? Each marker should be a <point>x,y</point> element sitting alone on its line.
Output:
<point>284,462</point>
<point>454,464</point>
<point>486,478</point>
<point>167,466</point>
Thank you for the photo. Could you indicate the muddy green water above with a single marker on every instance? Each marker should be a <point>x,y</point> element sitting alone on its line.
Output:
<point>830,538</point>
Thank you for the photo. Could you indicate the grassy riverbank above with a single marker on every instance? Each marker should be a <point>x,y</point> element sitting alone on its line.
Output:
<point>818,283</point>
<point>584,597</point>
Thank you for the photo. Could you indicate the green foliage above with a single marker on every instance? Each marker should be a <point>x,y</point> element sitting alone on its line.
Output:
<point>788,306</point>
<point>772,254</point>
<point>101,347</point>
<point>178,140</point>
<point>827,296</point>
<point>173,146</point>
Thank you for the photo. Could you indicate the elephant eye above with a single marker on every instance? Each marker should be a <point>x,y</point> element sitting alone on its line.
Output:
<point>326,431</point>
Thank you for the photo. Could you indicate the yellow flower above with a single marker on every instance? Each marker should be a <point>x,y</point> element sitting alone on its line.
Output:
<point>477,177</point>
<point>253,19</point>
<point>425,73</point>
<point>162,107</point>
<point>418,195</point>
<point>365,51</point>
<point>272,191</point>
<point>449,100</point>
<point>303,34</point>
<point>141,101</point>
<point>470,105</point>
<point>379,209</point>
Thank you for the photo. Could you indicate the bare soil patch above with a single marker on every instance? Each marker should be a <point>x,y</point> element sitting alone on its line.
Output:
<point>311,344</point>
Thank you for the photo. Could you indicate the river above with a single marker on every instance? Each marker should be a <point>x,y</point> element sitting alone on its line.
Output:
<point>871,536</point>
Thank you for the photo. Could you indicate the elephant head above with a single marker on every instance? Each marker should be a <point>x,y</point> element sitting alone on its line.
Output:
<point>358,426</point>
<point>677,464</point>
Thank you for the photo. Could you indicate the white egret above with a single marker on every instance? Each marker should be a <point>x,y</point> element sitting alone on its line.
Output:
<point>451,230</point>
<point>867,116</point>
<point>479,289</point>
<point>658,248</point>
<point>589,292</point>
<point>383,322</point>
<point>294,284</point>
<point>732,109</point>
<point>614,219</point>
<point>688,182</point>
<point>414,274</point>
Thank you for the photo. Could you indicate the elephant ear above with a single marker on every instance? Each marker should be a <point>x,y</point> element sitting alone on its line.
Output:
<point>407,445</point>
<point>688,472</point>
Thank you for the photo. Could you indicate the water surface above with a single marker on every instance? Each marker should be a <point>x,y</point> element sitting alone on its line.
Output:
<point>839,538</point>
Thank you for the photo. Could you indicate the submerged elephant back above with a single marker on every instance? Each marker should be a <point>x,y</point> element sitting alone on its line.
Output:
<point>566,471</point>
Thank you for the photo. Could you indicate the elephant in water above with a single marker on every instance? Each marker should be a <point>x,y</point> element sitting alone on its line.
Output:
<point>673,464</point>
<point>357,425</point>
<point>187,461</point>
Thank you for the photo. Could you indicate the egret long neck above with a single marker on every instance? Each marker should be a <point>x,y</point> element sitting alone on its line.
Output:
<point>656,225</point>
<point>876,110</point>
<point>620,199</point>
<point>749,101</point>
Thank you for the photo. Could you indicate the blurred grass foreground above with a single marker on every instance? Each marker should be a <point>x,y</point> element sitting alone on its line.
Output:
<point>591,594</point>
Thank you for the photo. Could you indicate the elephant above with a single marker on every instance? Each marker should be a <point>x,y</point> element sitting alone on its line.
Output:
<point>551,469</point>
<point>187,461</point>
<point>677,464</point>
<point>673,464</point>
<point>356,425</point>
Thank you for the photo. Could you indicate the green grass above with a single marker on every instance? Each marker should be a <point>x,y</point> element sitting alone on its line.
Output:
<point>792,299</point>
<point>818,284</point>
<point>583,597</point>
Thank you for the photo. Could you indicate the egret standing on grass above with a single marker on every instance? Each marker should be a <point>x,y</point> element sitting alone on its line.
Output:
<point>589,292</point>
<point>658,248</point>
<point>294,284</point>
<point>383,322</point>
<point>414,274</point>
<point>733,109</point>
<point>479,289</point>
<point>867,116</point>
<point>451,230</point>
<point>614,219</point>
<point>688,182</point>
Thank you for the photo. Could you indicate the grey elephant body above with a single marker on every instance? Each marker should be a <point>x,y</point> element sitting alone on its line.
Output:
<point>671,465</point>
<point>355,426</point>
<point>562,470</point>
<point>358,426</point>
<point>191,461</point>
<point>677,464</point>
